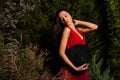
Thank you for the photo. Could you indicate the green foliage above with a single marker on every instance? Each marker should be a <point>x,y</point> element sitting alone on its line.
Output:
<point>1,45</point>
<point>34,28</point>
<point>33,21</point>
<point>26,66</point>
<point>114,25</point>
<point>114,36</point>
<point>2,48</point>
<point>95,68</point>
<point>37,27</point>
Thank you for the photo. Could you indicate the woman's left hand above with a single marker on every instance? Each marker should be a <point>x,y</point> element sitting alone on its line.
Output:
<point>76,22</point>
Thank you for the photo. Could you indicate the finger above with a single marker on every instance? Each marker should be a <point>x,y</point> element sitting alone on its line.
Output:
<point>84,65</point>
<point>87,65</point>
<point>85,68</point>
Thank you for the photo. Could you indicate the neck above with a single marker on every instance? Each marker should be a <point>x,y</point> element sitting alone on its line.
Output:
<point>71,25</point>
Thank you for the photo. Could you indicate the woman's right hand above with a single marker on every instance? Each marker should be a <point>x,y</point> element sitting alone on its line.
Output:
<point>82,67</point>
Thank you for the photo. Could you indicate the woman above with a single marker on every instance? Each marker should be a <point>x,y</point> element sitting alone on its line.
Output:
<point>69,36</point>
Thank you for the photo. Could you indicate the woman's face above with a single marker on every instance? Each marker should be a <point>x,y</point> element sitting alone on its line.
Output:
<point>65,17</point>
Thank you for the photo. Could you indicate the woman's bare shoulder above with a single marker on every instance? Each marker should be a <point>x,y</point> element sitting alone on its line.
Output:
<point>67,29</point>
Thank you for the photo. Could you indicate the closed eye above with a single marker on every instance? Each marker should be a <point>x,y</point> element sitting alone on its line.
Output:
<point>66,15</point>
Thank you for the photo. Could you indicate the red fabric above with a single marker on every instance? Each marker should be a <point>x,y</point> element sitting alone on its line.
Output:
<point>74,39</point>
<point>65,75</point>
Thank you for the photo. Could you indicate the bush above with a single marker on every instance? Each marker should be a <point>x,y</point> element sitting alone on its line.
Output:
<point>95,70</point>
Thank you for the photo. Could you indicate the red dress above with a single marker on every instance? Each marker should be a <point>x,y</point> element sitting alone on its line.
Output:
<point>74,39</point>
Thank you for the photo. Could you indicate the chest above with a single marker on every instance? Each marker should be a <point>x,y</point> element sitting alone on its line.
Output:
<point>75,39</point>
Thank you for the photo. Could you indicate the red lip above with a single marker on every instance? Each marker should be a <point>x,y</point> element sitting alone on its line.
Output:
<point>66,22</point>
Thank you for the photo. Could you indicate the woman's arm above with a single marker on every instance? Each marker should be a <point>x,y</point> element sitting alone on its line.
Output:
<point>62,49</point>
<point>88,26</point>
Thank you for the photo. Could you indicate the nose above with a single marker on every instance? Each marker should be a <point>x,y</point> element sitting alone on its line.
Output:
<point>65,19</point>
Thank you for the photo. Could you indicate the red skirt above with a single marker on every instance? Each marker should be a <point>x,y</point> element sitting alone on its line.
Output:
<point>65,75</point>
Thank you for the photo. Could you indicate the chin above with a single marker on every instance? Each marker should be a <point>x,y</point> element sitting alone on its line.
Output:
<point>68,24</point>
